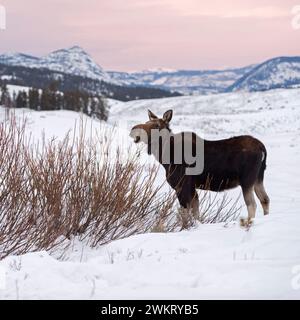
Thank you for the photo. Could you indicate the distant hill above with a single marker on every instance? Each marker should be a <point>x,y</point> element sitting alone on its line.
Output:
<point>281,72</point>
<point>74,61</point>
<point>184,81</point>
<point>71,69</point>
<point>74,69</point>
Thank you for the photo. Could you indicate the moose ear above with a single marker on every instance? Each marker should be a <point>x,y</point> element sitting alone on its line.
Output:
<point>151,115</point>
<point>168,116</point>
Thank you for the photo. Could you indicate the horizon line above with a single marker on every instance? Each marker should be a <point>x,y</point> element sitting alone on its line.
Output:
<point>149,69</point>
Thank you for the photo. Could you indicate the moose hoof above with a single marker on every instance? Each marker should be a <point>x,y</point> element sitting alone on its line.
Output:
<point>246,223</point>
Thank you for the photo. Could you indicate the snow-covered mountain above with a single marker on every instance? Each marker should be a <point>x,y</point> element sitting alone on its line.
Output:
<point>281,72</point>
<point>71,69</point>
<point>76,61</point>
<point>73,61</point>
<point>184,81</point>
<point>18,59</point>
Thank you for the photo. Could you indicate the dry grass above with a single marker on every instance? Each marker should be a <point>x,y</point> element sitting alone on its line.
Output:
<point>53,191</point>
<point>216,209</point>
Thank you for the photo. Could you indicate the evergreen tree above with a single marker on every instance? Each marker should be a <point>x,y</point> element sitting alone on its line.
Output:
<point>53,86</point>
<point>46,103</point>
<point>34,99</point>
<point>69,100</point>
<point>5,99</point>
<point>98,108</point>
<point>21,100</point>
<point>85,104</point>
<point>59,101</point>
<point>51,99</point>
<point>14,98</point>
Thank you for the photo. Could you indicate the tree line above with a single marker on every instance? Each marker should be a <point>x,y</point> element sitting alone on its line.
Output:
<point>42,78</point>
<point>52,99</point>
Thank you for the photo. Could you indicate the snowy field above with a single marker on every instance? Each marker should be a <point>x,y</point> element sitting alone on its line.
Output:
<point>208,262</point>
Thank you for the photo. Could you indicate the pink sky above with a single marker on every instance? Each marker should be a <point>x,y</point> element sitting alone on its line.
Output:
<point>139,34</point>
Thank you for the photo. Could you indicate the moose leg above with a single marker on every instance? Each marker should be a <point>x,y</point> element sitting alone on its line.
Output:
<point>262,196</point>
<point>250,201</point>
<point>189,202</point>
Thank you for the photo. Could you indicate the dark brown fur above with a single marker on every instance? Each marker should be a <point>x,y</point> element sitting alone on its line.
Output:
<point>228,163</point>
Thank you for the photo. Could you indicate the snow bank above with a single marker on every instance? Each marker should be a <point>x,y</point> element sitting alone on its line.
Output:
<point>210,261</point>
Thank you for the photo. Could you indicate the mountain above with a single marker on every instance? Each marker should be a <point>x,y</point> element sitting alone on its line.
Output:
<point>184,81</point>
<point>65,64</point>
<point>71,69</point>
<point>42,78</point>
<point>281,72</point>
<point>73,61</point>
<point>18,59</point>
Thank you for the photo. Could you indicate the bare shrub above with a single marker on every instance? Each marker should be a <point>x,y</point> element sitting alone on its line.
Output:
<point>214,210</point>
<point>52,191</point>
<point>56,190</point>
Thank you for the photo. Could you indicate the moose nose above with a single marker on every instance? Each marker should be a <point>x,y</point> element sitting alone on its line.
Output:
<point>137,139</point>
<point>135,133</point>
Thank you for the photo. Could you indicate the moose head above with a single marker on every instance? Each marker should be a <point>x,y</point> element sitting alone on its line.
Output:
<point>142,132</point>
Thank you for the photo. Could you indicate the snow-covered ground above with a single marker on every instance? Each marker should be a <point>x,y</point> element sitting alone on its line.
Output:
<point>209,261</point>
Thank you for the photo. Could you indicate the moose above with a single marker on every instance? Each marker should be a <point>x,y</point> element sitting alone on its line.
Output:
<point>227,163</point>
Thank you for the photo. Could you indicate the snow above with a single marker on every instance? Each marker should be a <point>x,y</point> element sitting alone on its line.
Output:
<point>7,77</point>
<point>159,70</point>
<point>260,113</point>
<point>16,89</point>
<point>184,81</point>
<point>219,261</point>
<point>281,72</point>
<point>209,262</point>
